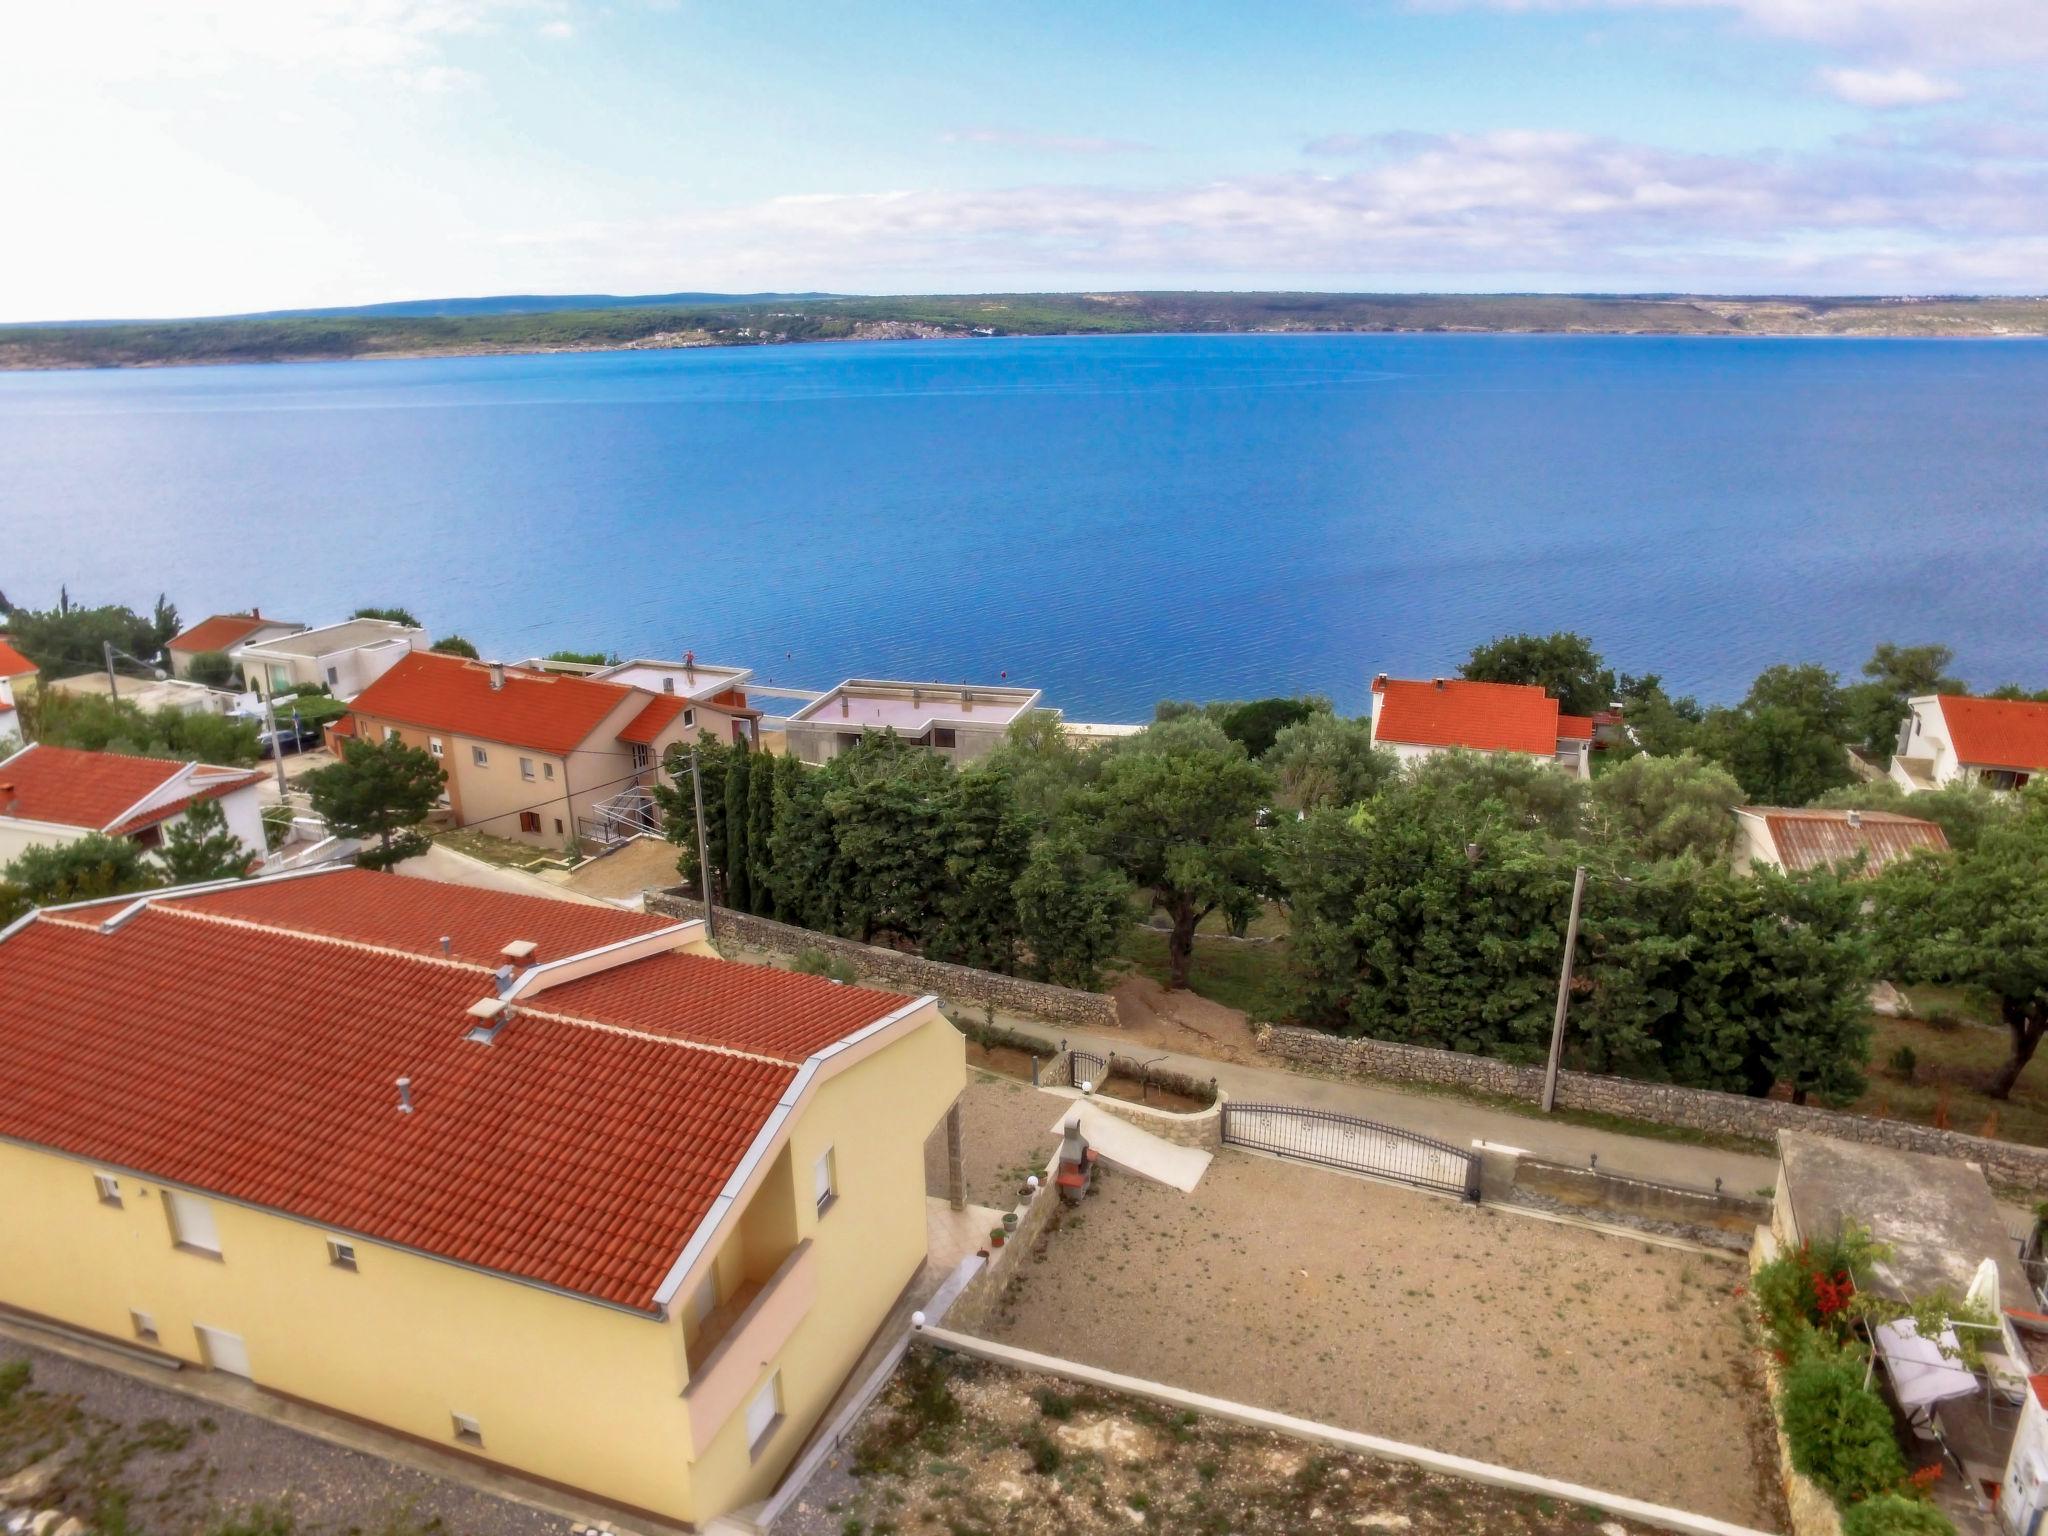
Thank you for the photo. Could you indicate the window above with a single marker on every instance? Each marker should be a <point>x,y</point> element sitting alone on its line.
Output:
<point>526,769</point>
<point>529,821</point>
<point>333,677</point>
<point>825,1180</point>
<point>689,718</point>
<point>108,1188</point>
<point>639,754</point>
<point>480,757</point>
<point>764,1412</point>
<point>144,1326</point>
<point>192,1227</point>
<point>548,769</point>
<point>341,1255</point>
<point>668,685</point>
<point>942,736</point>
<point>558,826</point>
<point>467,1430</point>
<point>434,745</point>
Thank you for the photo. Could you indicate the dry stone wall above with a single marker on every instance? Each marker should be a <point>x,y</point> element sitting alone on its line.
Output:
<point>2004,1163</point>
<point>897,971</point>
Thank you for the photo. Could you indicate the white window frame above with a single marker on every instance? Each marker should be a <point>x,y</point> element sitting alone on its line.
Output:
<point>434,745</point>
<point>549,770</point>
<point>689,718</point>
<point>479,758</point>
<point>526,769</point>
<point>193,1228</point>
<point>825,1180</point>
<point>108,1188</point>
<point>764,1413</point>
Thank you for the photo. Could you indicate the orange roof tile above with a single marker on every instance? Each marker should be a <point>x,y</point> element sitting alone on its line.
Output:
<point>547,711</point>
<point>1574,727</point>
<point>646,726</point>
<point>1997,733</point>
<point>73,788</point>
<point>218,632</point>
<point>1819,839</point>
<point>13,663</point>
<point>1455,712</point>
<point>581,1148</point>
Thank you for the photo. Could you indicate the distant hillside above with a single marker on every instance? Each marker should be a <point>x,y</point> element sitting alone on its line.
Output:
<point>456,327</point>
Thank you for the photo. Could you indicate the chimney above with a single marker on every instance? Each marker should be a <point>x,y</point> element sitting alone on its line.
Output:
<point>1379,682</point>
<point>1437,683</point>
<point>1855,818</point>
<point>916,697</point>
<point>255,612</point>
<point>497,675</point>
<point>966,700</point>
<point>520,951</point>
<point>405,1095</point>
<point>845,708</point>
<point>447,944</point>
<point>8,802</point>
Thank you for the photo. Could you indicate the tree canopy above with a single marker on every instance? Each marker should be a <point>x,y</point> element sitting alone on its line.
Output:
<point>392,615</point>
<point>1563,664</point>
<point>1669,807</point>
<point>199,847</point>
<point>1328,760</point>
<point>92,722</point>
<point>455,645</point>
<point>382,790</point>
<point>67,640</point>
<point>50,874</point>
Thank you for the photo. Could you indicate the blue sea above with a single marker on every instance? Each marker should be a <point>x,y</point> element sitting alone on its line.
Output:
<point>1115,520</point>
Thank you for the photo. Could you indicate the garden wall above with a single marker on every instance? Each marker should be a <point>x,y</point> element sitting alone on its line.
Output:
<point>899,971</point>
<point>2004,1163</point>
<point>1201,1128</point>
<point>970,1310</point>
<point>1596,1189</point>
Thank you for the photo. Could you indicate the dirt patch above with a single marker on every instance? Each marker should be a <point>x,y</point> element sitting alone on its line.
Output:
<point>1005,1136</point>
<point>964,1447</point>
<point>1574,1354</point>
<point>1153,1095</point>
<point>1149,1014</point>
<point>1005,1060</point>
<point>149,1461</point>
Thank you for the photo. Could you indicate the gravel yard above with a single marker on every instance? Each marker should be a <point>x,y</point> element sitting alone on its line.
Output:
<point>150,1461</point>
<point>1597,1359</point>
<point>1005,1134</point>
<point>957,1446</point>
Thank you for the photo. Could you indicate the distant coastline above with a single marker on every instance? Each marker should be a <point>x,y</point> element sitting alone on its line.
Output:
<point>467,330</point>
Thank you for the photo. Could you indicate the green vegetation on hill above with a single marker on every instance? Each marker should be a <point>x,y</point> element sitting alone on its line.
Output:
<point>289,338</point>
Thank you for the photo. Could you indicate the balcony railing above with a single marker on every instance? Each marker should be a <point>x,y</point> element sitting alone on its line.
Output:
<point>744,1349</point>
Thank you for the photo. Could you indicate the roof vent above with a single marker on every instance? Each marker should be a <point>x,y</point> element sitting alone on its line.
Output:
<point>668,685</point>
<point>1855,818</point>
<point>447,944</point>
<point>1437,683</point>
<point>497,675</point>
<point>504,975</point>
<point>491,1015</point>
<point>405,1095</point>
<point>916,696</point>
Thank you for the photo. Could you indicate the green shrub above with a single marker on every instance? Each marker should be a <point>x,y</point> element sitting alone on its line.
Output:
<point>1055,1405</point>
<point>815,962</point>
<point>14,1376</point>
<point>1840,1432</point>
<point>257,1520</point>
<point>1893,1514</point>
<point>1904,1063</point>
<point>1045,1456</point>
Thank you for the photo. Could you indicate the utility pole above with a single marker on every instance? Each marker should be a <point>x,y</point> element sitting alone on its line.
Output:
<point>113,688</point>
<point>1564,992</point>
<point>703,845</point>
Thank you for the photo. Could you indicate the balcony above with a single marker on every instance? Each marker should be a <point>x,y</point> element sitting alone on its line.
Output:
<point>743,1336</point>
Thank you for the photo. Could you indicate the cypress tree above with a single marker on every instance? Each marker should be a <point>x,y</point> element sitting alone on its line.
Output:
<point>739,887</point>
<point>760,830</point>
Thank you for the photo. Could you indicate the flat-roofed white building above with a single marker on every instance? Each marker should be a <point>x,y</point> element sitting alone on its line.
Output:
<point>961,721</point>
<point>343,658</point>
<point>713,698</point>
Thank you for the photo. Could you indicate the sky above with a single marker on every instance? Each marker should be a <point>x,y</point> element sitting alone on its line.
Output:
<point>178,157</point>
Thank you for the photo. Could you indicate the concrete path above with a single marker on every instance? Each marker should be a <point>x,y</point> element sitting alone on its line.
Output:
<point>1129,1146</point>
<point>1455,1120</point>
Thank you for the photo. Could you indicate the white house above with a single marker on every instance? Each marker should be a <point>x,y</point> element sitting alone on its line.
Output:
<point>222,632</point>
<point>713,698</point>
<point>1415,719</point>
<point>16,670</point>
<point>1999,743</point>
<point>343,658</point>
<point>961,721</point>
<point>53,795</point>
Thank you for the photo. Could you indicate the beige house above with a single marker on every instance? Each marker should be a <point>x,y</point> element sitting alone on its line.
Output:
<point>538,757</point>
<point>1798,839</point>
<point>342,658</point>
<point>960,721</point>
<point>222,632</point>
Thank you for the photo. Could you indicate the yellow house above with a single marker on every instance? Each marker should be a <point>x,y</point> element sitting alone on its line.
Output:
<point>546,1184</point>
<point>541,757</point>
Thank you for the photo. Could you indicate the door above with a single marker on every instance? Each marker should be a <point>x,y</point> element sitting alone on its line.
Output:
<point>225,1351</point>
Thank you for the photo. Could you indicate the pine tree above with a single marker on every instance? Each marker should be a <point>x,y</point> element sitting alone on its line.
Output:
<point>199,847</point>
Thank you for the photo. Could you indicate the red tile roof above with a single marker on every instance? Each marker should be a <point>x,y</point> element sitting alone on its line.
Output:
<point>211,789</point>
<point>1820,839</point>
<point>73,788</point>
<point>218,632</point>
<point>13,663</point>
<point>1997,733</point>
<point>1574,727</point>
<point>546,711</point>
<point>1454,712</point>
<point>581,1148</point>
<point>646,726</point>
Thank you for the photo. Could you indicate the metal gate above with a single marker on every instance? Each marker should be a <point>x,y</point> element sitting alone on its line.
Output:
<point>1345,1141</point>
<point>1086,1067</point>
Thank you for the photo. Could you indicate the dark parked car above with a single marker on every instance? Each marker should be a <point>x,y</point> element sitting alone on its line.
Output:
<point>291,736</point>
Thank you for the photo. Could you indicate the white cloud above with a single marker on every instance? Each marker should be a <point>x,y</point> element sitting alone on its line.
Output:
<point>1954,32</point>
<point>1049,143</point>
<point>1458,211</point>
<point>1888,88</point>
<point>557,31</point>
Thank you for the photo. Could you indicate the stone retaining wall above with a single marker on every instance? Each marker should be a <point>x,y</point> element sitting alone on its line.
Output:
<point>1201,1128</point>
<point>977,1300</point>
<point>897,971</point>
<point>2005,1163</point>
<point>1593,1189</point>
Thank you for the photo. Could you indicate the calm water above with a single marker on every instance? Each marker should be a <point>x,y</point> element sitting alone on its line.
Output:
<point>1115,520</point>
